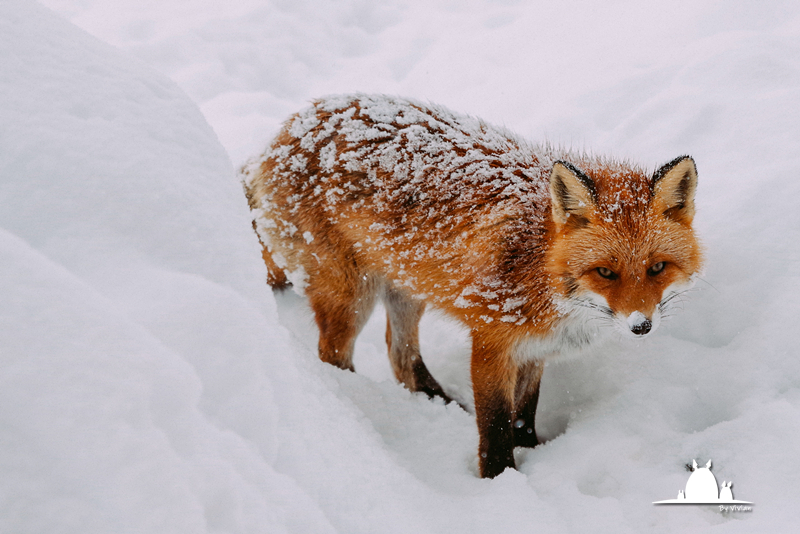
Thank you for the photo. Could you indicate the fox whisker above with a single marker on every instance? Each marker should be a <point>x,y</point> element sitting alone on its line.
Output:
<point>709,284</point>
<point>594,306</point>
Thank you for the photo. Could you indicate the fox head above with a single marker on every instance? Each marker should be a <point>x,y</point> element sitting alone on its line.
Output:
<point>623,243</point>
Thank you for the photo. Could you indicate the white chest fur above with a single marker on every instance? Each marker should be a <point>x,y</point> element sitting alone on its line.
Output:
<point>577,330</point>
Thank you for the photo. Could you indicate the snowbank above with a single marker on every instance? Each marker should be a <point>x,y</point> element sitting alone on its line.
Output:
<point>136,392</point>
<point>149,384</point>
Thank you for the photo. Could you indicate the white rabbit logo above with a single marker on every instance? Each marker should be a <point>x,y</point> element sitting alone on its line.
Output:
<point>702,484</point>
<point>725,493</point>
<point>701,488</point>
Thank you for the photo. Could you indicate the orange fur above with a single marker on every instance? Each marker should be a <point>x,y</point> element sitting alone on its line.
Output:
<point>361,197</point>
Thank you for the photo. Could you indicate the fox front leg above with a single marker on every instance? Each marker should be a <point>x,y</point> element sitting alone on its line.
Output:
<point>493,383</point>
<point>529,376</point>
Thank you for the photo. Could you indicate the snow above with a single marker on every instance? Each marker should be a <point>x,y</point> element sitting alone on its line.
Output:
<point>150,382</point>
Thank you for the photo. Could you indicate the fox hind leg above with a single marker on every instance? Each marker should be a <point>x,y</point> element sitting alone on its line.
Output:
<point>403,314</point>
<point>276,278</point>
<point>341,310</point>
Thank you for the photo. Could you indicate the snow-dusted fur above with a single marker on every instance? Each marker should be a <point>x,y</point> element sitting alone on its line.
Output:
<point>530,247</point>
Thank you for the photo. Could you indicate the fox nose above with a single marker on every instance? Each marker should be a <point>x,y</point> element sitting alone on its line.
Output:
<point>642,328</point>
<point>639,323</point>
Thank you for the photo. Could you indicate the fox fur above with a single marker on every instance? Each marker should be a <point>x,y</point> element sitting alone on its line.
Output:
<point>536,250</point>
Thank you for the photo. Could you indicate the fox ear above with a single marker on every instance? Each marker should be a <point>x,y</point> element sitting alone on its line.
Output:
<point>572,194</point>
<point>673,187</point>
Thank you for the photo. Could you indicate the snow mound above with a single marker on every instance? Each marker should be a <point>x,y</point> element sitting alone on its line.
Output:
<point>136,390</point>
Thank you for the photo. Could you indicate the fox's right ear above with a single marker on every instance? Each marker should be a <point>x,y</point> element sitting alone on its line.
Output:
<point>572,194</point>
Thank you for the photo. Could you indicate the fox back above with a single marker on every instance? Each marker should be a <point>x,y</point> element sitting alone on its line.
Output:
<point>534,249</point>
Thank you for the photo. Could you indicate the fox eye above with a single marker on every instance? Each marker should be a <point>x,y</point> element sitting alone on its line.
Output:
<point>606,273</point>
<point>656,268</point>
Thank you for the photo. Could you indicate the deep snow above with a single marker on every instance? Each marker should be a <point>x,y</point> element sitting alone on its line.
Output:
<point>151,383</point>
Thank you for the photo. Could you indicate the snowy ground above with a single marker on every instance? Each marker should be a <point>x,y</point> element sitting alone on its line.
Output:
<point>149,381</point>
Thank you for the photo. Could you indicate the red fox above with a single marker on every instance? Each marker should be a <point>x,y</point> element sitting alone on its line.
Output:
<point>536,250</point>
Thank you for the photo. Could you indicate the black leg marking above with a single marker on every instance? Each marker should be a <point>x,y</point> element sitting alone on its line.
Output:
<point>497,440</point>
<point>527,398</point>
<point>525,423</point>
<point>424,382</point>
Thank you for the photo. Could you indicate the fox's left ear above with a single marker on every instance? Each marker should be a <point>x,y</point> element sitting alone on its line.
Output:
<point>572,194</point>
<point>673,187</point>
